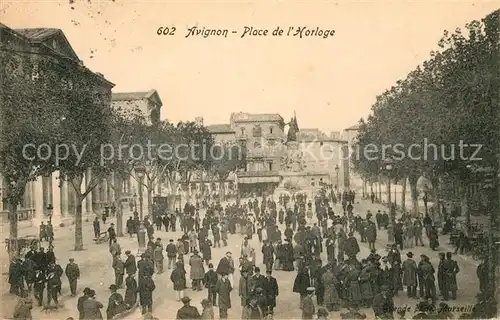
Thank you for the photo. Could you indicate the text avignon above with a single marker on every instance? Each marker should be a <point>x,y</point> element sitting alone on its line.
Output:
<point>205,32</point>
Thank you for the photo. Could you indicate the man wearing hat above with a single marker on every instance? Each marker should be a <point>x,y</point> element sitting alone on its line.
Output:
<point>111,233</point>
<point>208,310</point>
<point>308,309</point>
<point>73,273</point>
<point>130,291</point>
<point>187,311</point>
<point>409,269</point>
<point>115,302</point>
<point>79,305</point>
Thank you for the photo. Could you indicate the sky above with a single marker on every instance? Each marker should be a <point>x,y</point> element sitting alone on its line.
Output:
<point>330,83</point>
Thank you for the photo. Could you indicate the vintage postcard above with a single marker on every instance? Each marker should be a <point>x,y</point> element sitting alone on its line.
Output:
<point>205,159</point>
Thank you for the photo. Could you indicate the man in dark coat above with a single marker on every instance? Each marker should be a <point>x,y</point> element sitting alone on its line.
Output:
<point>210,282</point>
<point>16,280</point>
<point>145,268</point>
<point>302,282</point>
<point>351,247</point>
<point>268,255</point>
<point>187,311</point>
<point>271,291</point>
<point>73,273</point>
<point>130,291</point>
<point>226,265</point>
<point>450,268</point>
<point>130,264</point>
<point>39,286</point>
<point>410,275</point>
<point>371,234</point>
<point>115,302</point>
<point>146,288</point>
<point>224,289</point>
<point>79,306</point>
<point>54,283</point>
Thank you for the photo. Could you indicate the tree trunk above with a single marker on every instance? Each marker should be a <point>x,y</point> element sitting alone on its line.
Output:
<point>13,243</point>
<point>379,191</point>
<point>77,185</point>
<point>159,189</point>
<point>118,203</point>
<point>222,191</point>
<point>79,223</point>
<point>435,197</point>
<point>412,179</point>
<point>150,196</point>
<point>464,206</point>
<point>388,188</point>
<point>403,195</point>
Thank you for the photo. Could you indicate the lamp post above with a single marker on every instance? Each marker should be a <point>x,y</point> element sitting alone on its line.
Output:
<point>388,168</point>
<point>135,201</point>
<point>337,169</point>
<point>140,172</point>
<point>50,209</point>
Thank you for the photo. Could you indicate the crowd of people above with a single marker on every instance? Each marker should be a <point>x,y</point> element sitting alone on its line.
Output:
<point>293,236</point>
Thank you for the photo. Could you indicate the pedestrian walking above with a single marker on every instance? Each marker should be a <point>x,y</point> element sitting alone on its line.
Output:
<point>119,268</point>
<point>158,255</point>
<point>146,288</point>
<point>224,289</point>
<point>91,307</point>
<point>72,272</point>
<point>178,278</point>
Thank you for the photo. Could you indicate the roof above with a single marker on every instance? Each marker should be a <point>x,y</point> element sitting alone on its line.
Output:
<point>255,117</point>
<point>353,128</point>
<point>131,96</point>
<point>220,128</point>
<point>38,34</point>
<point>41,35</point>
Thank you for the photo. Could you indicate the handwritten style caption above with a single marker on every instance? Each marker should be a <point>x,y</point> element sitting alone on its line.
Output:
<point>247,32</point>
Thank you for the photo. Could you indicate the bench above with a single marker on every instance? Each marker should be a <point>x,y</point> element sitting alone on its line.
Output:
<point>103,237</point>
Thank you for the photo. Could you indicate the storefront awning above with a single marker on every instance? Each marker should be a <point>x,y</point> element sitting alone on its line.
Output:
<point>244,180</point>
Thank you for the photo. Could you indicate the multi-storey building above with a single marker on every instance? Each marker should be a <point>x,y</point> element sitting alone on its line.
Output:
<point>263,135</point>
<point>48,43</point>
<point>148,103</point>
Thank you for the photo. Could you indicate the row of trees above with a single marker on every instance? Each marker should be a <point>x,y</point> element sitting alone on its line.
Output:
<point>49,101</point>
<point>450,101</point>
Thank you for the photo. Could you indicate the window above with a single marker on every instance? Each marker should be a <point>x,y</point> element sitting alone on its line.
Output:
<point>257,144</point>
<point>270,165</point>
<point>271,130</point>
<point>242,131</point>
<point>257,131</point>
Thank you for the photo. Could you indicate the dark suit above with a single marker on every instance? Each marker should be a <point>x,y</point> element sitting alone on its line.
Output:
<point>188,312</point>
<point>270,286</point>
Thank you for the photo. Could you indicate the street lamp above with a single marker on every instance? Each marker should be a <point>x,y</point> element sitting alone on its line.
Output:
<point>388,168</point>
<point>140,172</point>
<point>135,201</point>
<point>337,169</point>
<point>50,209</point>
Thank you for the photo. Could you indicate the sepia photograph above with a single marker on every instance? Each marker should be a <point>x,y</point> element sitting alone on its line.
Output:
<point>206,159</point>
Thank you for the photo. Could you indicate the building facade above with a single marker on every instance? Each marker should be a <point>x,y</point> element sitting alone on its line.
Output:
<point>50,191</point>
<point>148,103</point>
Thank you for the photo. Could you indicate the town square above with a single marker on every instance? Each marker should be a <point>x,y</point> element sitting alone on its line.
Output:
<point>244,194</point>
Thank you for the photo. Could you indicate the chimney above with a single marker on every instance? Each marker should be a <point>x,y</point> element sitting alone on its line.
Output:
<point>198,120</point>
